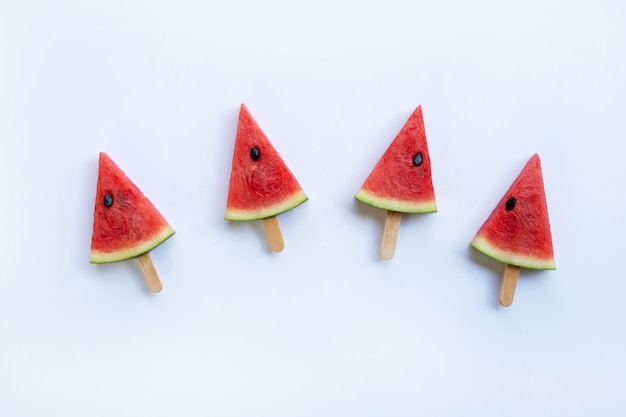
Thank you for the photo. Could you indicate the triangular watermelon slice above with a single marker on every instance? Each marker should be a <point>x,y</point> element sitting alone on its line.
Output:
<point>518,230</point>
<point>125,223</point>
<point>402,180</point>
<point>261,185</point>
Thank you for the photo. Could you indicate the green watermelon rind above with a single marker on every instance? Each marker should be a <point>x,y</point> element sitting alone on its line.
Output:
<point>100,257</point>
<point>294,200</point>
<point>483,245</point>
<point>401,206</point>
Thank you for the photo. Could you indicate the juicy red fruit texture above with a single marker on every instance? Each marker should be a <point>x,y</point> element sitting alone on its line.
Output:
<point>265,180</point>
<point>124,218</point>
<point>522,229</point>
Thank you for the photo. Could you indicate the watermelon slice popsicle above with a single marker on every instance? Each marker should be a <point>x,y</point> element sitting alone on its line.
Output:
<point>401,181</point>
<point>125,223</point>
<point>261,186</point>
<point>518,230</point>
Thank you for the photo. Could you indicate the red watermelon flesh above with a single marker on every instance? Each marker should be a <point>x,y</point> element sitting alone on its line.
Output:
<point>261,185</point>
<point>125,223</point>
<point>401,180</point>
<point>518,230</point>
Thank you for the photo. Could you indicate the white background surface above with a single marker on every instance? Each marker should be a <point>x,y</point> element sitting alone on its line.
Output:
<point>325,328</point>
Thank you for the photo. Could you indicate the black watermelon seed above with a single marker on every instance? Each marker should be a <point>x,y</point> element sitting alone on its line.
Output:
<point>108,200</point>
<point>510,203</point>
<point>254,154</point>
<point>417,159</point>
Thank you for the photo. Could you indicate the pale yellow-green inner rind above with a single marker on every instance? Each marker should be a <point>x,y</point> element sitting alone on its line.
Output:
<point>98,257</point>
<point>297,198</point>
<point>396,205</point>
<point>484,246</point>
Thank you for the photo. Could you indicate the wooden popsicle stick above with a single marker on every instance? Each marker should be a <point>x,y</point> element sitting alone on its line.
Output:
<point>509,282</point>
<point>149,272</point>
<point>274,236</point>
<point>390,234</point>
